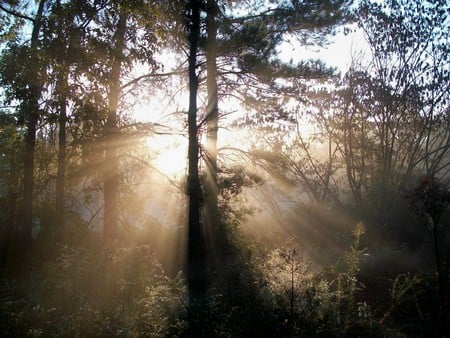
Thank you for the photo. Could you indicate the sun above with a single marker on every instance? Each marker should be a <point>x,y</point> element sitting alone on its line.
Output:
<point>171,155</point>
<point>168,148</point>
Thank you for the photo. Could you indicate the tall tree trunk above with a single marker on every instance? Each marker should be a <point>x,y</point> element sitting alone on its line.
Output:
<point>28,181</point>
<point>111,166</point>
<point>62,143</point>
<point>32,110</point>
<point>215,228</point>
<point>196,265</point>
<point>62,92</point>
<point>212,108</point>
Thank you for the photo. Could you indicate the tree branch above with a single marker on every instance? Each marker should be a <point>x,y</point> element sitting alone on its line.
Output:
<point>150,76</point>
<point>16,14</point>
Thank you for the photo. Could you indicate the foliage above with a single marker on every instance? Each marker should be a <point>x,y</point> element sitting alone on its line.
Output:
<point>90,292</point>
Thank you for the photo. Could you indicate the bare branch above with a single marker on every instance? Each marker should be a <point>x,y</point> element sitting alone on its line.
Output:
<point>16,14</point>
<point>151,76</point>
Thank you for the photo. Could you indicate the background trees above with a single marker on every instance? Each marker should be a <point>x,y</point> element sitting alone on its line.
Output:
<point>25,85</point>
<point>373,136</point>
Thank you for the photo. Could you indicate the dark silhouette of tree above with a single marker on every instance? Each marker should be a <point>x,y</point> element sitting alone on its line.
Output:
<point>196,259</point>
<point>31,105</point>
<point>11,182</point>
<point>215,228</point>
<point>26,87</point>
<point>430,199</point>
<point>63,40</point>
<point>112,137</point>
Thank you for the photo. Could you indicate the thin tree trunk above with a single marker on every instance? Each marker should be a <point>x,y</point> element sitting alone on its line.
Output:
<point>111,166</point>
<point>62,90</point>
<point>28,182</point>
<point>216,229</point>
<point>212,108</point>
<point>62,143</point>
<point>196,264</point>
<point>32,107</point>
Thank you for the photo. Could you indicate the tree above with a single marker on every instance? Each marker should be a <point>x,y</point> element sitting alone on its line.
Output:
<point>212,217</point>
<point>389,121</point>
<point>410,83</point>
<point>241,56</point>
<point>386,122</point>
<point>127,37</point>
<point>32,106</point>
<point>11,173</point>
<point>111,166</point>
<point>430,199</point>
<point>196,268</point>
<point>64,36</point>
<point>25,86</point>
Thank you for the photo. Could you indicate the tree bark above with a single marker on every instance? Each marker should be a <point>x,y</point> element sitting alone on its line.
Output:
<point>112,135</point>
<point>62,143</point>
<point>62,93</point>
<point>196,264</point>
<point>32,107</point>
<point>216,229</point>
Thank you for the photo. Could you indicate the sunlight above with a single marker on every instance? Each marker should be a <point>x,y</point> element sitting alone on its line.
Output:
<point>167,146</point>
<point>171,155</point>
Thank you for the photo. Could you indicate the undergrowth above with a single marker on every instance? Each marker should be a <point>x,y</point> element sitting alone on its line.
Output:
<point>123,291</point>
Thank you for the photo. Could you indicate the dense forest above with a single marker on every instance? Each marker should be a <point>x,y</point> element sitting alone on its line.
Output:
<point>187,169</point>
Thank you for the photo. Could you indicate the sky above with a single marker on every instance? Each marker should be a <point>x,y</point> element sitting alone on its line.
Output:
<point>338,53</point>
